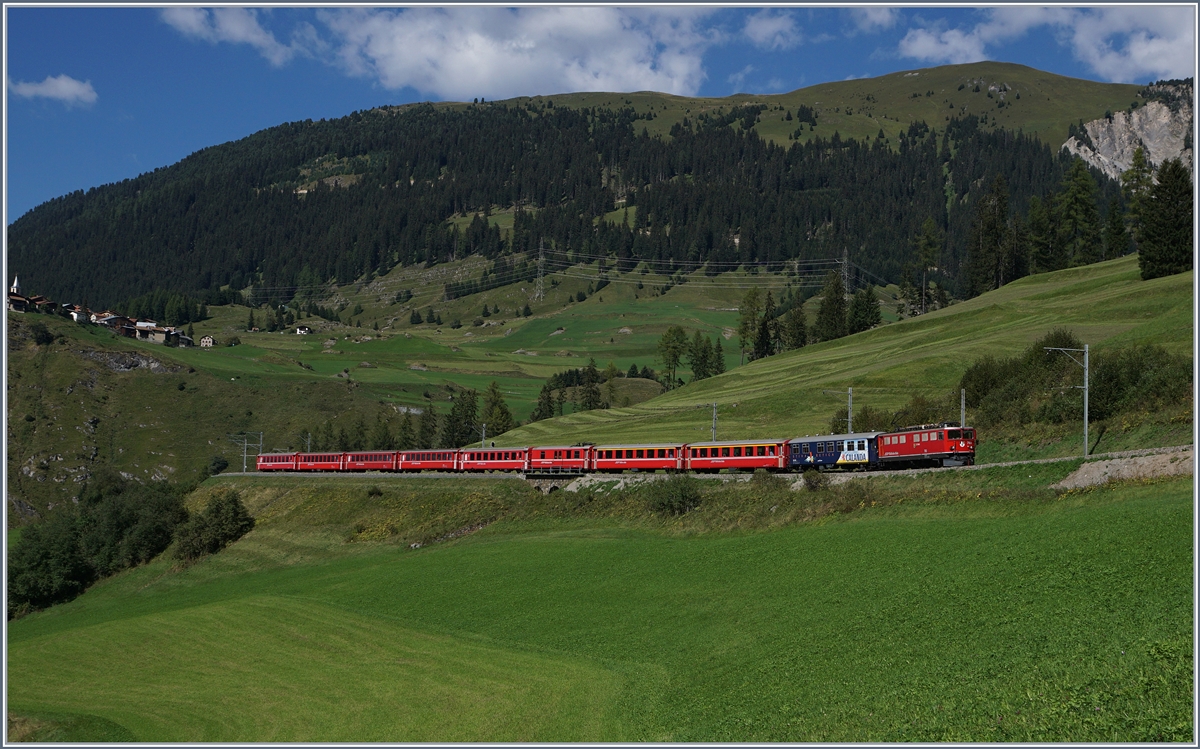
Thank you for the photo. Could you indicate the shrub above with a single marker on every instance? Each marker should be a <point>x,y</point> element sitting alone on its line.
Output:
<point>814,480</point>
<point>217,464</point>
<point>223,521</point>
<point>47,565</point>
<point>41,336</point>
<point>374,491</point>
<point>764,480</point>
<point>678,494</point>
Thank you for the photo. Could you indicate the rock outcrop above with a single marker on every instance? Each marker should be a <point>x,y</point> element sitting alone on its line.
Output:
<point>1161,127</point>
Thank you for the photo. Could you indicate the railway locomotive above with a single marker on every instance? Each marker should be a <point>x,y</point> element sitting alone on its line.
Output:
<point>926,445</point>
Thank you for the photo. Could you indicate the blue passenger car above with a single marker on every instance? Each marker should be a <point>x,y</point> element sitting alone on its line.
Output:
<point>826,451</point>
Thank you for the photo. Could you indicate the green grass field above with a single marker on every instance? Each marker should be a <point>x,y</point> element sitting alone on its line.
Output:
<point>1006,614</point>
<point>797,392</point>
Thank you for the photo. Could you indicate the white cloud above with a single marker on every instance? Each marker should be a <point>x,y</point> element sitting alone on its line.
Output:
<point>771,30</point>
<point>460,53</point>
<point>62,87</point>
<point>738,78</point>
<point>233,25</point>
<point>872,19</point>
<point>1120,44</point>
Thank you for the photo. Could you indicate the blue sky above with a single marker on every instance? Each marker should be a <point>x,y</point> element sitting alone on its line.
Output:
<point>96,95</point>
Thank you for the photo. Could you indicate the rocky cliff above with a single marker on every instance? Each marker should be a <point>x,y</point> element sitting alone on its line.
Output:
<point>1162,126</point>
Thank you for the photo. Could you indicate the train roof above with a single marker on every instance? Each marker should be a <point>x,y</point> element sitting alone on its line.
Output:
<point>654,445</point>
<point>835,437</point>
<point>722,443</point>
<point>922,427</point>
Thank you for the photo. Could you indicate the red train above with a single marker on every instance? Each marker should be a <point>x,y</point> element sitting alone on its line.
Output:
<point>943,444</point>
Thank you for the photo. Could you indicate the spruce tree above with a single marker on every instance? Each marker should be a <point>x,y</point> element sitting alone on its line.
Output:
<point>381,436</point>
<point>700,356</point>
<point>405,439</point>
<point>427,428</point>
<point>526,312</point>
<point>929,250</point>
<point>495,411</point>
<point>795,329</point>
<point>1166,246</point>
<point>864,311</point>
<point>633,371</point>
<point>748,315</point>
<point>1116,236</point>
<point>1044,252</point>
<point>1136,182</point>
<point>545,405</point>
<point>462,425</point>
<point>831,315</point>
<point>987,260</point>
<point>717,365</point>
<point>1078,218</point>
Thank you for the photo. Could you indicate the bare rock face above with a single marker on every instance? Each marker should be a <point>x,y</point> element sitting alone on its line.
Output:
<point>1161,129</point>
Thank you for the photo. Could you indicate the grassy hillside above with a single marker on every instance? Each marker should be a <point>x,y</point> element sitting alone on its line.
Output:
<point>797,392</point>
<point>1040,103</point>
<point>67,407</point>
<point>1003,614</point>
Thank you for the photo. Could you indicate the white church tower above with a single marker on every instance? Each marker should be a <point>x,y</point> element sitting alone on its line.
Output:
<point>16,287</point>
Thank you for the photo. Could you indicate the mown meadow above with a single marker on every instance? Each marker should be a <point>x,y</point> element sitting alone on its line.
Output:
<point>948,608</point>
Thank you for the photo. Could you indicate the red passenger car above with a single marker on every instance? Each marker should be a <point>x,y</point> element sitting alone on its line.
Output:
<point>277,462</point>
<point>319,461</point>
<point>744,455</point>
<point>616,458</point>
<point>493,459</point>
<point>560,459</point>
<point>372,461</point>
<point>427,460</point>
<point>928,445</point>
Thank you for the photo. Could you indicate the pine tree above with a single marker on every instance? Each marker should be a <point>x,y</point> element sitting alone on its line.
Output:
<point>495,411</point>
<point>718,358</point>
<point>545,405</point>
<point>381,436</point>
<point>526,312</point>
<point>560,401</point>
<point>671,348</point>
<point>767,337</point>
<point>190,332</point>
<point>1136,182</point>
<point>1044,252</point>
<point>427,428</point>
<point>987,252</point>
<point>1167,233</point>
<point>462,425</point>
<point>1116,236</point>
<point>415,318</point>
<point>795,329</point>
<point>929,250</point>
<point>864,311</point>
<point>1078,218</point>
<point>633,371</point>
<point>748,315</point>
<point>405,439</point>
<point>831,315</point>
<point>250,323</point>
<point>700,356</point>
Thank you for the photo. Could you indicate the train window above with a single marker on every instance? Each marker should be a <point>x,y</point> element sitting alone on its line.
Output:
<point>954,434</point>
<point>703,451</point>
<point>939,436</point>
<point>724,452</point>
<point>903,439</point>
<point>577,454</point>
<point>737,452</point>
<point>969,433</point>
<point>762,450</point>
<point>543,452</point>
<point>671,453</point>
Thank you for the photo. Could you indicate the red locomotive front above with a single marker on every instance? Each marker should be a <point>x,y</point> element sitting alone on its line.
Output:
<point>945,444</point>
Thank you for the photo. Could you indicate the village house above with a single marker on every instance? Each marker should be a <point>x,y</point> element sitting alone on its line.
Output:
<point>207,341</point>
<point>17,302</point>
<point>303,330</point>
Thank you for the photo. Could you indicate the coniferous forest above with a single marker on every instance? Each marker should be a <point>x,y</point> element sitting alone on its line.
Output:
<point>307,203</point>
